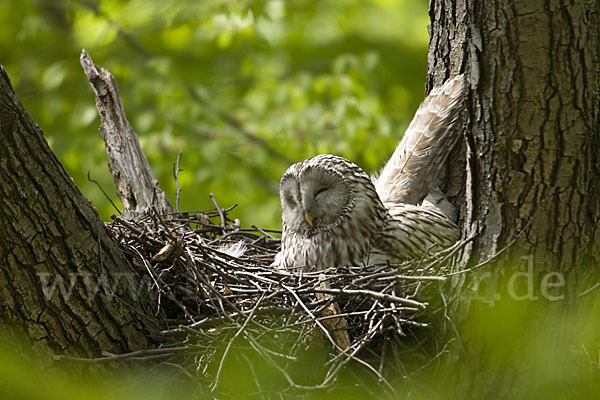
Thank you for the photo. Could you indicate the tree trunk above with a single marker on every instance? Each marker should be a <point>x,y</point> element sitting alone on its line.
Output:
<point>530,190</point>
<point>64,283</point>
<point>533,134</point>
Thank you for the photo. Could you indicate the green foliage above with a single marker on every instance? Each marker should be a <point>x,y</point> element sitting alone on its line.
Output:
<point>243,88</point>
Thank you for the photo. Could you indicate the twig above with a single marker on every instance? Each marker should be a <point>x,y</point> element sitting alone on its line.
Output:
<point>103,192</point>
<point>239,331</point>
<point>315,319</point>
<point>369,293</point>
<point>176,171</point>
<point>265,231</point>
<point>140,354</point>
<point>220,211</point>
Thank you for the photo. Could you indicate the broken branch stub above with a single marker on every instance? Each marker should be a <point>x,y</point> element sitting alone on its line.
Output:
<point>137,187</point>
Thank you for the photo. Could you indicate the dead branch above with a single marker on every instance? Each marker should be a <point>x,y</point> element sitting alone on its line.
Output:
<point>137,187</point>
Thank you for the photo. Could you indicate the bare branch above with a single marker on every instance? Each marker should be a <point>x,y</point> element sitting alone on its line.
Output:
<point>137,187</point>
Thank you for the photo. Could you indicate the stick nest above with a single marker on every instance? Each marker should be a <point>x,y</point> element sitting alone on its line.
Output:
<point>208,298</point>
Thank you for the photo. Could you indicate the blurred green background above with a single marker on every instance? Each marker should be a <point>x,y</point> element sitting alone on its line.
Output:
<point>242,88</point>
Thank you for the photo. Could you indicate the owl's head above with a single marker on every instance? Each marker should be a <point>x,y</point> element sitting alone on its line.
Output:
<point>318,194</point>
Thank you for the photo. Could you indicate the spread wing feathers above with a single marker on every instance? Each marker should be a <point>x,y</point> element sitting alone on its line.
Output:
<point>412,170</point>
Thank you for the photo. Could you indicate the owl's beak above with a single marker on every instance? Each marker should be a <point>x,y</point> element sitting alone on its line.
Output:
<point>309,218</point>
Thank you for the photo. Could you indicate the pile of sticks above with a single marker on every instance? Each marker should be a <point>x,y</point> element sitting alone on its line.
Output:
<point>206,294</point>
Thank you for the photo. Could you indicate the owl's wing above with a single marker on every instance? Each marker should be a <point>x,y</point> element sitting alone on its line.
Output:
<point>412,170</point>
<point>411,232</point>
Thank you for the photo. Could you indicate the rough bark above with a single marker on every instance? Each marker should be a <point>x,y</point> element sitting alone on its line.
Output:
<point>533,136</point>
<point>527,180</point>
<point>53,237</point>
<point>137,187</point>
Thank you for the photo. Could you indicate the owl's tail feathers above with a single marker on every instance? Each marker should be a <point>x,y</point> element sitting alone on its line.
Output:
<point>412,170</point>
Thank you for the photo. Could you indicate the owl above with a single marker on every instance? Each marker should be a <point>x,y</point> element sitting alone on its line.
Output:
<point>334,214</point>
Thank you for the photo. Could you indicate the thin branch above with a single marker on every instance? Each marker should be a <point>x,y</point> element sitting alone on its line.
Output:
<point>103,192</point>
<point>239,331</point>
<point>176,171</point>
<point>220,211</point>
<point>363,292</point>
<point>140,354</point>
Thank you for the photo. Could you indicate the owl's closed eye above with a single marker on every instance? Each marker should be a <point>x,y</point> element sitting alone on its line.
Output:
<point>313,199</point>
